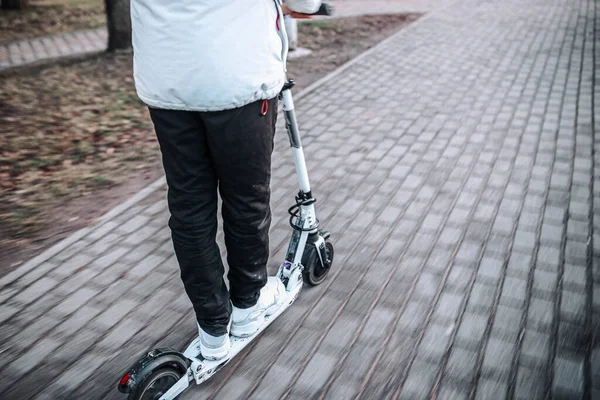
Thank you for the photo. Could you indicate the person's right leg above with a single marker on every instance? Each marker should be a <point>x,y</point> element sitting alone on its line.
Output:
<point>192,202</point>
<point>241,144</point>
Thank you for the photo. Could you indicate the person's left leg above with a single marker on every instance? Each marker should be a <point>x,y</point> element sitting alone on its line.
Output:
<point>241,144</point>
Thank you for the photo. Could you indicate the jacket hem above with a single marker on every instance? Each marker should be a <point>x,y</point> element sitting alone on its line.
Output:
<point>186,107</point>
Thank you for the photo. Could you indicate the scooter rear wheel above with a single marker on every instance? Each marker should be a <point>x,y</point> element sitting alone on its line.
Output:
<point>315,272</point>
<point>156,384</point>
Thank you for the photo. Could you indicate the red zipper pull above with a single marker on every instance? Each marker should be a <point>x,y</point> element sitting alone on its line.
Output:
<point>277,22</point>
<point>264,107</point>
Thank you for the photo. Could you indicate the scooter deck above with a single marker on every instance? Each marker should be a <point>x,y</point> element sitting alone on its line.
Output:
<point>203,369</point>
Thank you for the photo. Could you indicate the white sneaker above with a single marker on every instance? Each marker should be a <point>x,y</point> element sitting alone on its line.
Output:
<point>247,321</point>
<point>214,347</point>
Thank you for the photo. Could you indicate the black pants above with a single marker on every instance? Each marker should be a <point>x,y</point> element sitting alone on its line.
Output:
<point>229,151</point>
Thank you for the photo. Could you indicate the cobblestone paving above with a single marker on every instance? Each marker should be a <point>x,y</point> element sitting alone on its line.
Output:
<point>18,53</point>
<point>457,169</point>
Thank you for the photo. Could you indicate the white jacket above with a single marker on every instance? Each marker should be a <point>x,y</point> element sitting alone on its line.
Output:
<point>209,55</point>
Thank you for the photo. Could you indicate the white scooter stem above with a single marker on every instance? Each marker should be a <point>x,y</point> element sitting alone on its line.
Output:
<point>296,144</point>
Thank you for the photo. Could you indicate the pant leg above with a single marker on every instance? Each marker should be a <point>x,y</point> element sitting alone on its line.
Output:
<point>241,143</point>
<point>192,199</point>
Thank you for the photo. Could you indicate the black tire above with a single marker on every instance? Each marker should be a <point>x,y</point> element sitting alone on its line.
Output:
<point>156,384</point>
<point>314,271</point>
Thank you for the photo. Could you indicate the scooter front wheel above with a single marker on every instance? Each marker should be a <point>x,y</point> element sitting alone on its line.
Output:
<point>316,271</point>
<point>156,384</point>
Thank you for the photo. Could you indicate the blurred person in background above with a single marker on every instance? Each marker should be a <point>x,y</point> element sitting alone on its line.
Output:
<point>210,72</point>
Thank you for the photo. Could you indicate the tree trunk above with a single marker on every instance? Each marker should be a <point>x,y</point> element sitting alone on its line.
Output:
<point>118,22</point>
<point>14,4</point>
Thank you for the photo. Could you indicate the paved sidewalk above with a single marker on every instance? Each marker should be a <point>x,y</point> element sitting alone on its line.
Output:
<point>350,8</point>
<point>24,52</point>
<point>457,169</point>
<point>19,53</point>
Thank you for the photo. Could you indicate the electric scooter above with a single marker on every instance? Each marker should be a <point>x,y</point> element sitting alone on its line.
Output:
<point>164,373</point>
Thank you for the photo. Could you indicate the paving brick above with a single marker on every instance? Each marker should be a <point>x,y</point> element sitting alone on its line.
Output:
<point>551,233</point>
<point>341,333</point>
<point>235,389</point>
<point>120,334</point>
<point>75,375</point>
<point>471,330</point>
<point>519,264</point>
<point>459,277</point>
<point>7,311</point>
<point>120,289</point>
<point>450,236</point>
<point>448,307</point>
<point>498,358</point>
<point>421,244</point>
<point>535,349</point>
<point>426,287</point>
<point>432,222</point>
<point>490,388</point>
<point>113,314</point>
<point>34,331</point>
<point>544,280</point>
<point>573,306</point>
<point>490,270</point>
<point>571,337</point>
<point>476,231</point>
<point>75,301</point>
<point>75,282</point>
<point>303,341</point>
<point>461,364</point>
<point>577,230</point>
<point>568,377</point>
<point>434,343</point>
<point>549,256</point>
<point>133,224</point>
<point>72,265</point>
<point>77,321</point>
<point>377,325</point>
<point>530,384</point>
<point>514,291</point>
<point>481,298</point>
<point>32,383</point>
<point>141,235</point>
<point>145,267</point>
<point>540,314</point>
<point>458,216</point>
<point>576,253</point>
<point>33,357</point>
<point>451,391</point>
<point>524,240</point>
<point>412,317</point>
<point>419,381</point>
<point>468,252</point>
<point>102,231</point>
<point>485,212</point>
<point>109,259</point>
<point>37,273</point>
<point>77,344</point>
<point>35,291</point>
<point>315,375</point>
<point>554,214</point>
<point>274,383</point>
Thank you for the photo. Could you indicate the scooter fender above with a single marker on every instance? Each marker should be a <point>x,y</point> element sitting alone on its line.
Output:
<point>153,360</point>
